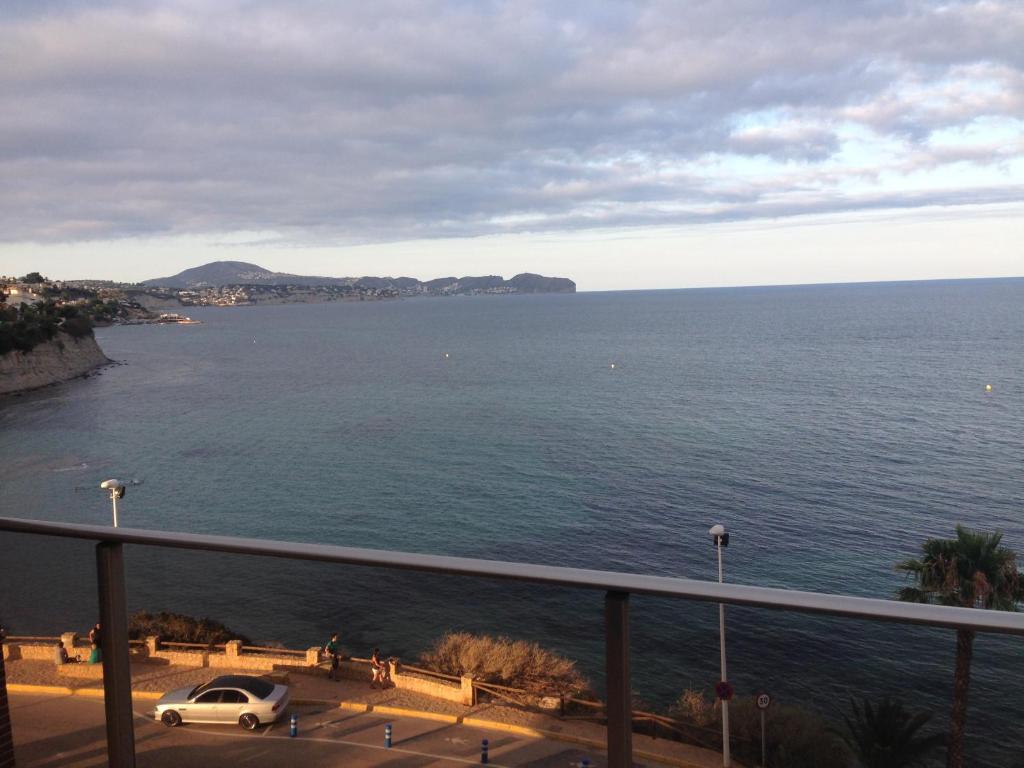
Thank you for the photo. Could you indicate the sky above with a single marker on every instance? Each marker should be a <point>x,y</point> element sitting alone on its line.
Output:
<point>622,144</point>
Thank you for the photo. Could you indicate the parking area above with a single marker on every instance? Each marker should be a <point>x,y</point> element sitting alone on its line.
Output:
<point>70,731</point>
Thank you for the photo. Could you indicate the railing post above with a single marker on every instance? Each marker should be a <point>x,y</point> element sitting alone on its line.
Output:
<point>6,737</point>
<point>117,675</point>
<point>620,695</point>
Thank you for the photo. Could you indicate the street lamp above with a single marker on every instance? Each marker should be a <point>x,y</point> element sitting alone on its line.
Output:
<point>116,488</point>
<point>721,539</point>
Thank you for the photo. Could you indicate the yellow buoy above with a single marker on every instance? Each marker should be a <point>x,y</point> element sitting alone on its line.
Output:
<point>988,387</point>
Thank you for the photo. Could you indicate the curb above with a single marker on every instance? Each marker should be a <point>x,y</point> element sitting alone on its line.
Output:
<point>40,689</point>
<point>382,709</point>
<point>494,725</point>
<point>540,733</point>
<point>60,690</point>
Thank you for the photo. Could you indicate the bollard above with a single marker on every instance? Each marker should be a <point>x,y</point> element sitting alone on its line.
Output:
<point>387,735</point>
<point>483,751</point>
<point>293,730</point>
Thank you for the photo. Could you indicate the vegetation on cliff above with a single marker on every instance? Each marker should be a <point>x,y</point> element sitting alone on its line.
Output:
<point>52,309</point>
<point>504,661</point>
<point>179,628</point>
<point>26,326</point>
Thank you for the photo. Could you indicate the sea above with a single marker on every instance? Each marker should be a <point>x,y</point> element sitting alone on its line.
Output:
<point>830,428</point>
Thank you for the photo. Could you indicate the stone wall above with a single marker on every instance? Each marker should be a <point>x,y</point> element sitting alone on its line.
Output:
<point>63,358</point>
<point>461,693</point>
<point>232,656</point>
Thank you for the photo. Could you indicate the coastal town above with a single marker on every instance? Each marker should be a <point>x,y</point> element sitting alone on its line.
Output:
<point>233,284</point>
<point>102,304</point>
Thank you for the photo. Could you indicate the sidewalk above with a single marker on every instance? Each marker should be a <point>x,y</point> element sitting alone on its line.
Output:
<point>357,696</point>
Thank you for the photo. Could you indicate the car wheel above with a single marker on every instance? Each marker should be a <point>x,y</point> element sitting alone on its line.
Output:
<point>249,721</point>
<point>170,718</point>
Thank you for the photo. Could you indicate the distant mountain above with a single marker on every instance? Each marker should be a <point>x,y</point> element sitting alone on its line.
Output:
<point>530,283</point>
<point>220,273</point>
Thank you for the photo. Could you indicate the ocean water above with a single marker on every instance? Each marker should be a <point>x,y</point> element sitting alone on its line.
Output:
<point>830,428</point>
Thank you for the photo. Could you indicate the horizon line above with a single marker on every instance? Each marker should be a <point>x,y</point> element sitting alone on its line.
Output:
<point>807,285</point>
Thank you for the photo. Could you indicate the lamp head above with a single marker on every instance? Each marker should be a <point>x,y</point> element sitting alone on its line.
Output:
<point>116,487</point>
<point>719,536</point>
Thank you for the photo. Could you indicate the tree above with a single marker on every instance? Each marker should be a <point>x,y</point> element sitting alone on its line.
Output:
<point>971,571</point>
<point>33,278</point>
<point>885,735</point>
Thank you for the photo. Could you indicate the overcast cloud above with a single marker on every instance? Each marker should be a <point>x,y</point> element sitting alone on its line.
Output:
<point>322,123</point>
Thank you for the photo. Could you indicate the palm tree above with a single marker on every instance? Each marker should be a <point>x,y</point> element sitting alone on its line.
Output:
<point>971,571</point>
<point>886,735</point>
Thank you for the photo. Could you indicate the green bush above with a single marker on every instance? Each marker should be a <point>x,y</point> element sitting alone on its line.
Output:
<point>503,661</point>
<point>178,628</point>
<point>77,327</point>
<point>27,326</point>
<point>796,737</point>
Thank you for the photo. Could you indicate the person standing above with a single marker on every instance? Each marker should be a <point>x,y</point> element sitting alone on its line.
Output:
<point>381,672</point>
<point>333,651</point>
<point>94,635</point>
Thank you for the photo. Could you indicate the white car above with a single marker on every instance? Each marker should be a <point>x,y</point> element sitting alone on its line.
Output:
<point>243,699</point>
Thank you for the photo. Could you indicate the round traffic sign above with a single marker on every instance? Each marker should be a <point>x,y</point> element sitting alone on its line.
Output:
<point>763,700</point>
<point>724,690</point>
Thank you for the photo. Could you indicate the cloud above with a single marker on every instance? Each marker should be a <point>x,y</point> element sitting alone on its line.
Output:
<point>385,121</point>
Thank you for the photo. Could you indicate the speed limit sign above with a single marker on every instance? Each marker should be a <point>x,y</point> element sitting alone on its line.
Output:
<point>763,700</point>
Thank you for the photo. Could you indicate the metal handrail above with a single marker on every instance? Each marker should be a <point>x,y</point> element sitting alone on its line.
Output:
<point>609,581</point>
<point>406,668</point>
<point>199,646</point>
<point>617,588</point>
<point>267,649</point>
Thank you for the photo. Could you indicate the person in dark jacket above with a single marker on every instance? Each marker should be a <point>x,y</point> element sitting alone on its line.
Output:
<point>333,650</point>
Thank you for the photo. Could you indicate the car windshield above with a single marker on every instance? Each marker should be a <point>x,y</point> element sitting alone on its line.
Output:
<point>255,686</point>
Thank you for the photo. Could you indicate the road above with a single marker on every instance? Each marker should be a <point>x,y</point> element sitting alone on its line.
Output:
<point>69,731</point>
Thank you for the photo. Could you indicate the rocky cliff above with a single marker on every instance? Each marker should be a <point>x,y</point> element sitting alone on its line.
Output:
<point>61,359</point>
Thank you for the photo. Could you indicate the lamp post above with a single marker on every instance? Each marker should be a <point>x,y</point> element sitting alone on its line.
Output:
<point>721,539</point>
<point>116,488</point>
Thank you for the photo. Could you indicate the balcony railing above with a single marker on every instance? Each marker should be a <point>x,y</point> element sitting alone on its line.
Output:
<point>616,586</point>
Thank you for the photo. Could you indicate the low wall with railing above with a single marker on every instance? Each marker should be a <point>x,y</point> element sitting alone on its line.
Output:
<point>233,655</point>
<point>258,659</point>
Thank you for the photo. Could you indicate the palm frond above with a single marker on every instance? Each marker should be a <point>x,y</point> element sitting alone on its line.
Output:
<point>973,570</point>
<point>913,595</point>
<point>885,734</point>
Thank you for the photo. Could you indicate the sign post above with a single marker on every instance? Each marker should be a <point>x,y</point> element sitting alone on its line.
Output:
<point>763,702</point>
